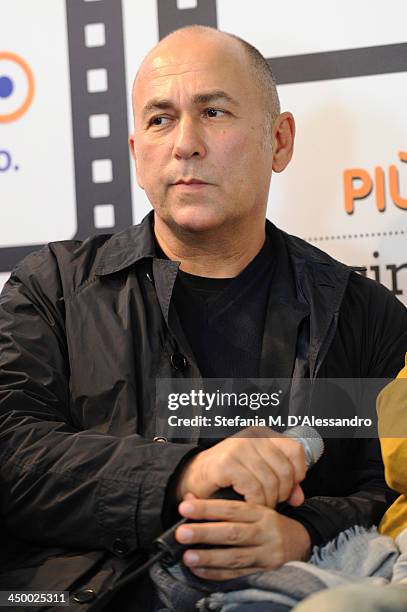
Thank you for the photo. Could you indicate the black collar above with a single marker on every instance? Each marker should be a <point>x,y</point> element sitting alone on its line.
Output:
<point>137,242</point>
<point>127,247</point>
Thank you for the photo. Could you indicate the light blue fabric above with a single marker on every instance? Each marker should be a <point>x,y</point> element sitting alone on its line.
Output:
<point>357,598</point>
<point>357,555</point>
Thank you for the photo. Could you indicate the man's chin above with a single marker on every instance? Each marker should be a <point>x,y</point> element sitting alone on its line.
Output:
<point>197,220</point>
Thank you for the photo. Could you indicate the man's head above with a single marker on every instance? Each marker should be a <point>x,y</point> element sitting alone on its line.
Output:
<point>206,109</point>
<point>263,76</point>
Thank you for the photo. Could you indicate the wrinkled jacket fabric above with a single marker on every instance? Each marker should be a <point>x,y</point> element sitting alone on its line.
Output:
<point>85,331</point>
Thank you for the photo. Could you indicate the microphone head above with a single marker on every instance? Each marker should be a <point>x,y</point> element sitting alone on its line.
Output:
<point>310,440</point>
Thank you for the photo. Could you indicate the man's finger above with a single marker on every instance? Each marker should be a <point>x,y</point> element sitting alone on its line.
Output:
<point>263,470</point>
<point>240,476</point>
<point>294,451</point>
<point>261,485</point>
<point>189,495</point>
<point>223,574</point>
<point>283,470</point>
<point>229,534</point>
<point>224,558</point>
<point>297,496</point>
<point>220,510</point>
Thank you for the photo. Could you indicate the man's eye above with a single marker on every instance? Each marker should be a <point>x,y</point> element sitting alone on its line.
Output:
<point>160,120</point>
<point>214,112</point>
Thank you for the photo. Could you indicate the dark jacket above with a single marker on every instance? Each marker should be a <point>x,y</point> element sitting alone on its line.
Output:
<point>85,330</point>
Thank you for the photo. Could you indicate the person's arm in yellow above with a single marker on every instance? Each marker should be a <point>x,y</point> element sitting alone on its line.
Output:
<point>392,413</point>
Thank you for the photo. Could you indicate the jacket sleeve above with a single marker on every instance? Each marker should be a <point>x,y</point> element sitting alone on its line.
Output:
<point>61,486</point>
<point>392,413</point>
<point>347,487</point>
<point>338,496</point>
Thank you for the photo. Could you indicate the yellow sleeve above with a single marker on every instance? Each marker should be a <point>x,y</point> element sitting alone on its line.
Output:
<point>392,413</point>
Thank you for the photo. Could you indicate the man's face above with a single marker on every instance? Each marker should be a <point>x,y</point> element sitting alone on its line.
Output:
<point>202,151</point>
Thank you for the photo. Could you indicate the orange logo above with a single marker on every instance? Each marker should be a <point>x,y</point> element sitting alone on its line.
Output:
<point>16,114</point>
<point>358,192</point>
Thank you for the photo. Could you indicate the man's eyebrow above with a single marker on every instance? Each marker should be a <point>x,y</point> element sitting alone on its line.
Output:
<point>156,104</point>
<point>207,97</point>
<point>213,96</point>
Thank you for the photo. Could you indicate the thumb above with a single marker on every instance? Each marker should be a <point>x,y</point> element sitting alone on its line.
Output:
<point>296,497</point>
<point>189,496</point>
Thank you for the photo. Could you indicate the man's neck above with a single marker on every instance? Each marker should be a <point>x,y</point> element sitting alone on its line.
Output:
<point>221,254</point>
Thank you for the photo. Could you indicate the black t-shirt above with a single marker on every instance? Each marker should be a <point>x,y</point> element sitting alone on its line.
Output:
<point>223,318</point>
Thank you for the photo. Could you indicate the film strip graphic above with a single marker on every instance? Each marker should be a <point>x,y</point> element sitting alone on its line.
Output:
<point>99,101</point>
<point>327,65</point>
<point>99,120</point>
<point>99,116</point>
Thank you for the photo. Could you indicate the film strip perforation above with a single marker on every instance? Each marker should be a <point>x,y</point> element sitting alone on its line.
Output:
<point>98,91</point>
<point>175,14</point>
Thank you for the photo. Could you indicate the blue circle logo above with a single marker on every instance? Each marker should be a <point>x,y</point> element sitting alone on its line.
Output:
<point>17,86</point>
<point>6,87</point>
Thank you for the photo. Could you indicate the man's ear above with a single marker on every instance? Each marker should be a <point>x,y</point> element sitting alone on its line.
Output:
<point>134,156</point>
<point>283,141</point>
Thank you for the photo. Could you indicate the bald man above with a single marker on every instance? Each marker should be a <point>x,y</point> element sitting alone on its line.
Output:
<point>204,287</point>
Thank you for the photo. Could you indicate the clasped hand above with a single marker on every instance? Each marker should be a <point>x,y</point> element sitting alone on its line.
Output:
<point>265,471</point>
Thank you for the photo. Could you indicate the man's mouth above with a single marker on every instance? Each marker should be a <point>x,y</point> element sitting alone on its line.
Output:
<point>190,185</point>
<point>192,181</point>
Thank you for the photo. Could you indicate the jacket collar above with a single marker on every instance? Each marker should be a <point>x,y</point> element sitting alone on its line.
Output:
<point>318,276</point>
<point>127,247</point>
<point>312,267</point>
<point>321,282</point>
<point>137,241</point>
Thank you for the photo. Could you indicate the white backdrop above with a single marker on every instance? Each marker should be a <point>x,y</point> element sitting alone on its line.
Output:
<point>354,126</point>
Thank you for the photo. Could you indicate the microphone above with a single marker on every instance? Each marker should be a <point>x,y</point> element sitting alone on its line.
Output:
<point>310,440</point>
<point>313,446</point>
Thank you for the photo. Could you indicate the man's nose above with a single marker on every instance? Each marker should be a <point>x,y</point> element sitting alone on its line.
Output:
<point>189,140</point>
